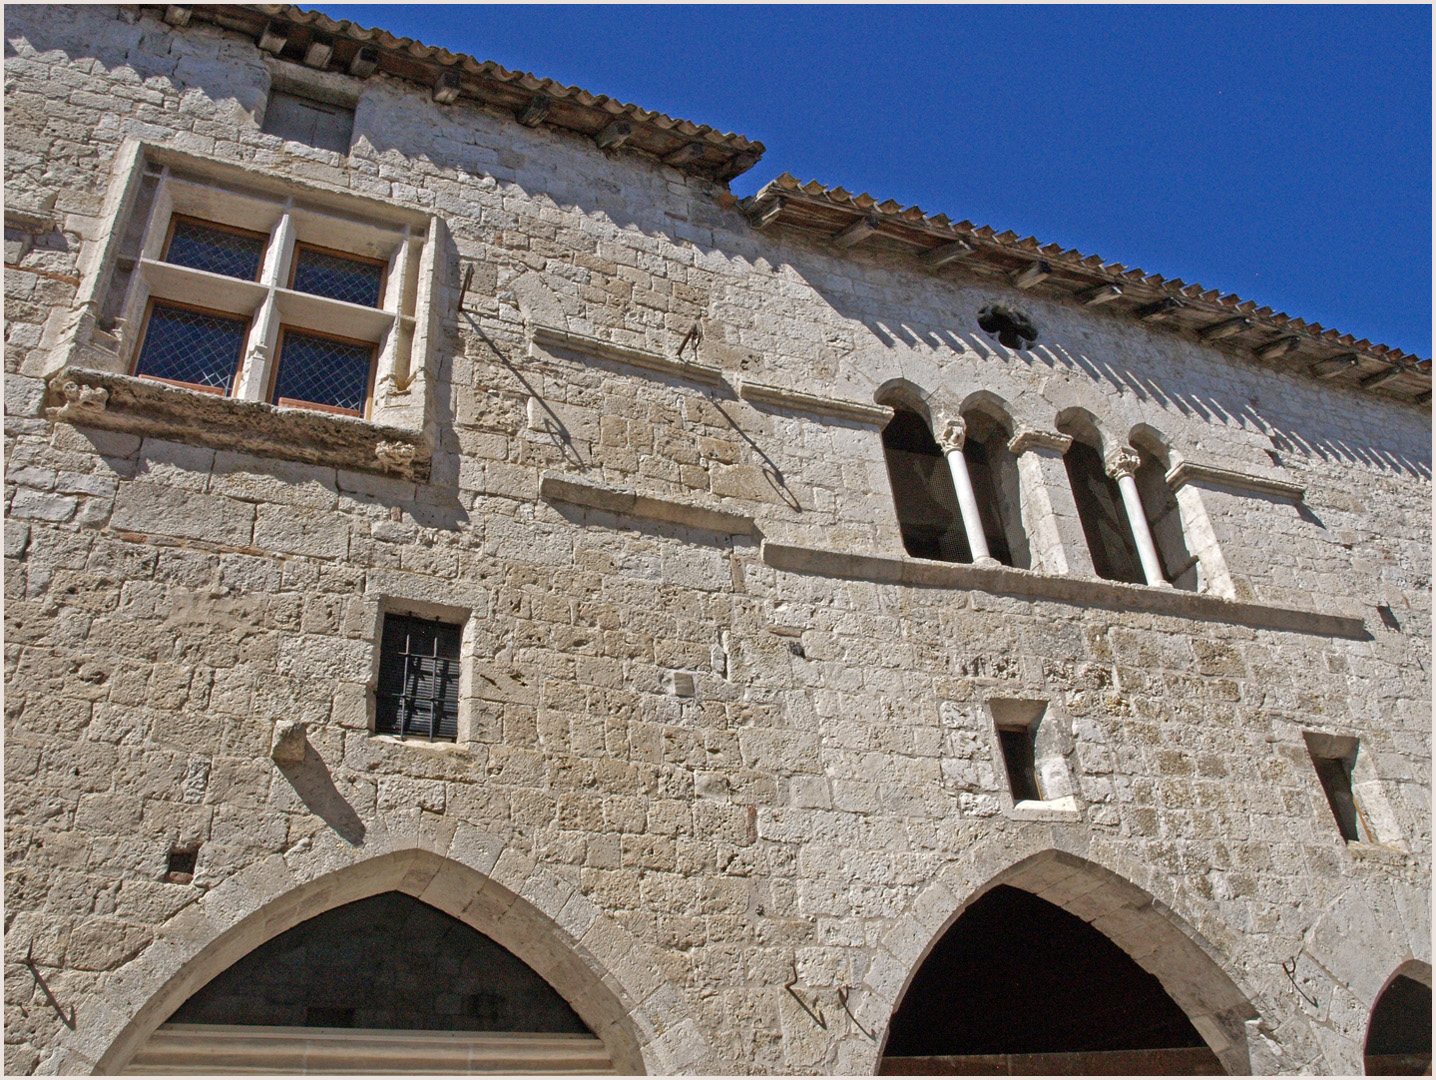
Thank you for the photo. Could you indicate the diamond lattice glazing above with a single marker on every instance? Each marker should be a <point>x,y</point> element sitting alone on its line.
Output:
<point>219,251</point>
<point>323,371</point>
<point>191,346</point>
<point>352,280</point>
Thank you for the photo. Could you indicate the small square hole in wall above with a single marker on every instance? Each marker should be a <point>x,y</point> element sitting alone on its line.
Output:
<point>180,868</point>
<point>1018,756</point>
<point>1334,758</point>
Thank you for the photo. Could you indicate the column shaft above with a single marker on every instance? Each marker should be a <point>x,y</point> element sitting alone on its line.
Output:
<point>967,501</point>
<point>1141,532</point>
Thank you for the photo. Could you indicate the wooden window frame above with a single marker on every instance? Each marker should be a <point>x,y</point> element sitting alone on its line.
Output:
<point>383,264</point>
<point>319,406</point>
<point>145,333</point>
<point>265,240</point>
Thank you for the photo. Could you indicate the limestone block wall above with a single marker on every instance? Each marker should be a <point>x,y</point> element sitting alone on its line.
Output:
<point>818,796</point>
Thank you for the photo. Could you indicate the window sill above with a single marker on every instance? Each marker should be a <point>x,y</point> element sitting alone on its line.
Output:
<point>443,746</point>
<point>1007,581</point>
<point>147,407</point>
<point>1045,810</point>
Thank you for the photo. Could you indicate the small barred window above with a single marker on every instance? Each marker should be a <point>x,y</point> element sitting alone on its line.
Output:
<point>418,691</point>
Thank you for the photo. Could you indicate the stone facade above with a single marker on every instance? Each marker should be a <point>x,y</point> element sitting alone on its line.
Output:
<point>717,731</point>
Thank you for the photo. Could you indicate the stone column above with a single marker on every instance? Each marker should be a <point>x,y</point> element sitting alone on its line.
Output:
<point>1049,511</point>
<point>951,439</point>
<point>1122,463</point>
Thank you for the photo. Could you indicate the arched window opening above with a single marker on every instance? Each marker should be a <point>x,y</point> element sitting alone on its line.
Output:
<point>926,501</point>
<point>1104,518</point>
<point>371,978</point>
<point>1018,985</point>
<point>1398,1039</point>
<point>1164,516</point>
<point>993,469</point>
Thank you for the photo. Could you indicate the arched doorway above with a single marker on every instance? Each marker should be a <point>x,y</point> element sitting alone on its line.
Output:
<point>381,984</point>
<point>1398,1038</point>
<point>1017,985</point>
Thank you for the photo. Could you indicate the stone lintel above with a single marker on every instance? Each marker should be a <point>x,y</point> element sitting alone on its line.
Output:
<point>145,407</point>
<point>842,408</point>
<point>1185,472</point>
<point>624,501</point>
<point>1032,439</point>
<point>1009,581</point>
<point>552,337</point>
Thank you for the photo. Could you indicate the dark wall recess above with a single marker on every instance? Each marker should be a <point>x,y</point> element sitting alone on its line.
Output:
<point>1104,518</point>
<point>926,502</point>
<point>1018,975</point>
<point>388,961</point>
<point>1398,1042</point>
<point>1012,328</point>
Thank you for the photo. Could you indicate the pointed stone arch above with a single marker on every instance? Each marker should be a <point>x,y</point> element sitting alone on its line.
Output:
<point>1146,929</point>
<point>598,968</point>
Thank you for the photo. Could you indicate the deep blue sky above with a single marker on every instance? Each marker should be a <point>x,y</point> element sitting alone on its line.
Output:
<point>1282,153</point>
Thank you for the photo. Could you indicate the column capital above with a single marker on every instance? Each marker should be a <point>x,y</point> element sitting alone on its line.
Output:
<point>951,433</point>
<point>1032,439</point>
<point>1122,461</point>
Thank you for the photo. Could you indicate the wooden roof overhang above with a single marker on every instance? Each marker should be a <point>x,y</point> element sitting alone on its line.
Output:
<point>1238,326</point>
<point>313,39</point>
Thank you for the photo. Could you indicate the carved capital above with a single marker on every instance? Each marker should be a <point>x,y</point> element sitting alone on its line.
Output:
<point>1031,439</point>
<point>1122,461</point>
<point>951,433</point>
<point>396,457</point>
<point>80,403</point>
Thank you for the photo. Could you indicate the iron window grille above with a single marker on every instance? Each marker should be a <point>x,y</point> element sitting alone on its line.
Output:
<point>317,371</point>
<point>418,693</point>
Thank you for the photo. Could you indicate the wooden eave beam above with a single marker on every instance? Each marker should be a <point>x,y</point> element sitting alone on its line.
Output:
<point>858,231</point>
<point>1034,274</point>
<point>1381,378</point>
<point>1225,329</point>
<point>1103,293</point>
<point>535,111</point>
<point>1333,366</point>
<point>945,253</point>
<point>1275,350</point>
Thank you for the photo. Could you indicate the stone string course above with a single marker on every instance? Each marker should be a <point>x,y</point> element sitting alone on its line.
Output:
<point>827,799</point>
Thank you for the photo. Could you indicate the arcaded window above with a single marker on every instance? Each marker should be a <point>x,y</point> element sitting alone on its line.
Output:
<point>1164,517</point>
<point>926,502</point>
<point>996,487</point>
<point>1104,519</point>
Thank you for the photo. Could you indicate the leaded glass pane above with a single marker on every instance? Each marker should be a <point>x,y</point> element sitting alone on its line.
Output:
<point>219,251</point>
<point>323,371</point>
<point>354,280</point>
<point>192,346</point>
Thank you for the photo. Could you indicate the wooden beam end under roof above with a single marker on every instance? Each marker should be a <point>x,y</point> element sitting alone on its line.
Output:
<point>1226,328</point>
<point>364,63</point>
<point>1334,365</point>
<point>178,14</point>
<point>1381,378</point>
<point>1038,272</point>
<point>857,231</point>
<point>1423,398</point>
<point>688,152</point>
<point>272,39</point>
<point>318,54</point>
<point>1275,350</point>
<point>535,111</point>
<point>1160,311</point>
<point>446,87</point>
<point>761,219</point>
<point>945,253</point>
<point>614,135</point>
<point>1101,294</point>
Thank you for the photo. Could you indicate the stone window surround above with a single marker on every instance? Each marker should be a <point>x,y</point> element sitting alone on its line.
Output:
<point>1051,744</point>
<point>448,613</point>
<point>1367,789</point>
<point>154,182</point>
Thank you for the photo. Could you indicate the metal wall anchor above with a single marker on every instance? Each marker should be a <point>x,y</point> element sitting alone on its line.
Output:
<point>843,999</point>
<point>817,1017</point>
<point>68,1021</point>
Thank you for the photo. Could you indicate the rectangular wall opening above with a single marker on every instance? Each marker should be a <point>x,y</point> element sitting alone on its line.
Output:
<point>1334,758</point>
<point>1019,757</point>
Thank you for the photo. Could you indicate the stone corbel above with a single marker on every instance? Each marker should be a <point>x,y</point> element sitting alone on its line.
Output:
<point>80,403</point>
<point>1122,461</point>
<point>1032,439</point>
<point>397,457</point>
